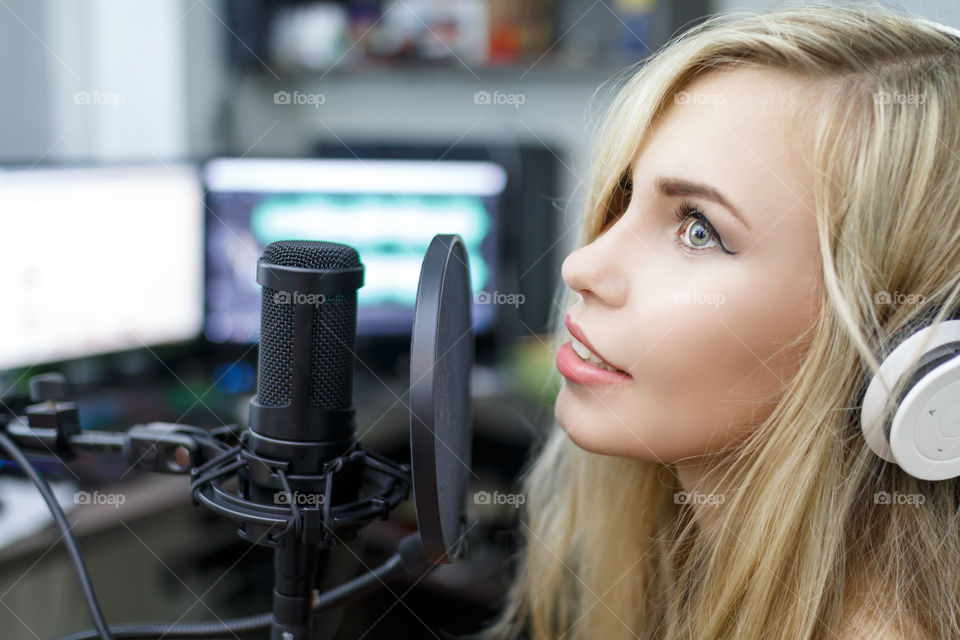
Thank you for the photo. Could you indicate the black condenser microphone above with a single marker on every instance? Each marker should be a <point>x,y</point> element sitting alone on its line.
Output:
<point>303,415</point>
<point>304,482</point>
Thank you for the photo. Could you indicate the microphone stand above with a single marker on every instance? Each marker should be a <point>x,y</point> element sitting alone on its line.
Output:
<point>296,532</point>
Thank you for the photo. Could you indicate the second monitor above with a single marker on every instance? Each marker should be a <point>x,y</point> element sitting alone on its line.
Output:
<point>388,210</point>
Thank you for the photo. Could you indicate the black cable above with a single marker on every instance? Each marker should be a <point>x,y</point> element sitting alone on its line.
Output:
<point>229,628</point>
<point>14,452</point>
<point>408,560</point>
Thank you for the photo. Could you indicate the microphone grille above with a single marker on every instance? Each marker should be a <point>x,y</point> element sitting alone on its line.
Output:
<point>333,330</point>
<point>311,254</point>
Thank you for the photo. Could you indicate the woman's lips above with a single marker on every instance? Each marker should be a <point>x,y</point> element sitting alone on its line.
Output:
<point>575,369</point>
<point>577,333</point>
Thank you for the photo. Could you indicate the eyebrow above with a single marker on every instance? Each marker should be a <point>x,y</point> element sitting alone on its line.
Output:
<point>679,187</point>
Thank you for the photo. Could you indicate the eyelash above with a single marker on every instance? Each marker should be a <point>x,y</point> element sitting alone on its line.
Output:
<point>688,210</point>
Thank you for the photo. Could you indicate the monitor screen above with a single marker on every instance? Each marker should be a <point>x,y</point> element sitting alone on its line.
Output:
<point>388,210</point>
<point>98,259</point>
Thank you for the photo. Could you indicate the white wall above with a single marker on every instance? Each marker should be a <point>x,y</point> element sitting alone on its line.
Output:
<point>105,79</point>
<point>24,128</point>
<point>945,11</point>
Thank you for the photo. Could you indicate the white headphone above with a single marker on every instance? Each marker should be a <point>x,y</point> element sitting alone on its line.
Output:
<point>923,436</point>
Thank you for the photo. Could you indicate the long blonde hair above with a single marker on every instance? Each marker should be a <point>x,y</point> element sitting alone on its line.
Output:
<point>608,553</point>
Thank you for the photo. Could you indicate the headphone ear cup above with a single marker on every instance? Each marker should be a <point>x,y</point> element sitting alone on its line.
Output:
<point>921,434</point>
<point>876,428</point>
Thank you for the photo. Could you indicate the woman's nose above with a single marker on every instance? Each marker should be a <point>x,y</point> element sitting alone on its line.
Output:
<point>594,271</point>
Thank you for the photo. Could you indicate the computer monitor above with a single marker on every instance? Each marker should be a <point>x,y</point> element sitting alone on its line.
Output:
<point>98,259</point>
<point>387,209</point>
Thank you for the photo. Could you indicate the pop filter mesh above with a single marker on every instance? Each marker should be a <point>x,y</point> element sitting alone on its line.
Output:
<point>441,428</point>
<point>453,415</point>
<point>333,330</point>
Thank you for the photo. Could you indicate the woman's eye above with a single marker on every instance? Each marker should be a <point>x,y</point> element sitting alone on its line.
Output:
<point>696,231</point>
<point>701,235</point>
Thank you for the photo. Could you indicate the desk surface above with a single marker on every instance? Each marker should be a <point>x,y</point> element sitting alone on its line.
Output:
<point>27,526</point>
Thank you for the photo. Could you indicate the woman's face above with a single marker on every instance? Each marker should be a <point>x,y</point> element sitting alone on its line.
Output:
<point>699,332</point>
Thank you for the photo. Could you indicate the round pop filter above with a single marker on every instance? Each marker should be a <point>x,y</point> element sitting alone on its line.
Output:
<point>441,429</point>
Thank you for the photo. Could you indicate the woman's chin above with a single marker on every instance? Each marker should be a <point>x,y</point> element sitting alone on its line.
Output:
<point>586,428</point>
<point>600,432</point>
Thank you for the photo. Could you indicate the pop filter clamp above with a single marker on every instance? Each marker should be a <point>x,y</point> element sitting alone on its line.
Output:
<point>440,435</point>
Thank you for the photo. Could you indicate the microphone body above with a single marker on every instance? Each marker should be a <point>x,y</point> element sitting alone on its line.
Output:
<point>302,418</point>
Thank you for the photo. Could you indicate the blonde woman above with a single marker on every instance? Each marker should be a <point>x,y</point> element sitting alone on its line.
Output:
<point>773,197</point>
